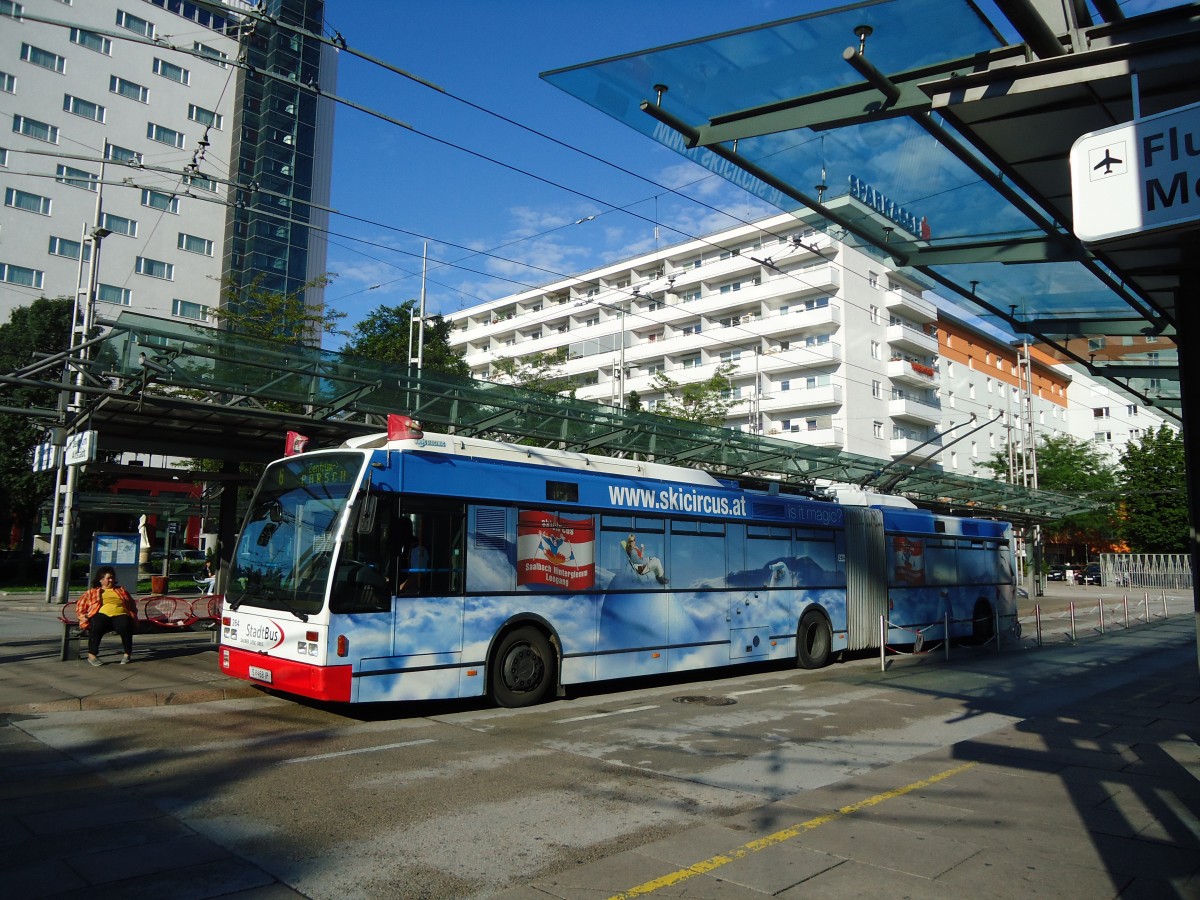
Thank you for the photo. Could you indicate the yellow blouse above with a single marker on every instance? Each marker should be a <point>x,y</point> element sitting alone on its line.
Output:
<point>111,605</point>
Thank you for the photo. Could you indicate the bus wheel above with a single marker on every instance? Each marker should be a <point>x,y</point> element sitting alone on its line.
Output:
<point>813,641</point>
<point>983,625</point>
<point>522,671</point>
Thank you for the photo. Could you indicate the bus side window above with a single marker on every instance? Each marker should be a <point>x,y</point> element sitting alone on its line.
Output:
<point>431,548</point>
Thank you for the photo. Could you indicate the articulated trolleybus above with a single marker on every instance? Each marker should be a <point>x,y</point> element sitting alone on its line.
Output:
<point>413,566</point>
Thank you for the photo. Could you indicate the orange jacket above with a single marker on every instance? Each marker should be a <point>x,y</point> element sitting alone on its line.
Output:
<point>89,604</point>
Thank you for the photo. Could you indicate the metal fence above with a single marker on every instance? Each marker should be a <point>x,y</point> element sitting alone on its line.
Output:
<point>1162,571</point>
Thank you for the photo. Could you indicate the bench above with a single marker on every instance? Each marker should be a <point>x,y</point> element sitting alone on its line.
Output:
<point>160,611</point>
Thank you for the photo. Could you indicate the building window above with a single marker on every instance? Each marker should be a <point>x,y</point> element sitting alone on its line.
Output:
<point>693,294</point>
<point>785,384</point>
<point>874,315</point>
<point>110,293</point>
<point>11,10</point>
<point>159,200</point>
<point>129,89</point>
<point>1096,344</point>
<point>1131,409</point>
<point>730,355</point>
<point>693,328</point>
<point>154,268</point>
<point>85,109</point>
<point>119,224</point>
<point>133,23</point>
<point>877,390</point>
<point>211,54</point>
<point>8,83</point>
<point>76,178</point>
<point>193,244</point>
<point>200,183</point>
<point>34,203</point>
<point>1100,412</point>
<point>875,350</point>
<point>43,58</point>
<point>204,116</point>
<point>91,41</point>
<point>39,131</point>
<point>877,429</point>
<point>954,459</point>
<point>186,309</point>
<point>22,276</point>
<point>70,249</point>
<point>690,362</point>
<point>873,280</point>
<point>171,71</point>
<point>164,135</point>
<point>122,154</point>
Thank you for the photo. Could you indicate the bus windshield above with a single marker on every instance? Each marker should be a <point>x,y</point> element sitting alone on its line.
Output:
<point>283,556</point>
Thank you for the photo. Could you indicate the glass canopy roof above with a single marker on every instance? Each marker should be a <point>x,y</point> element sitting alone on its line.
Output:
<point>792,112</point>
<point>165,386</point>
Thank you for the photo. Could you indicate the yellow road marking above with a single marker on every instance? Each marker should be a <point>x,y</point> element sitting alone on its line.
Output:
<point>715,862</point>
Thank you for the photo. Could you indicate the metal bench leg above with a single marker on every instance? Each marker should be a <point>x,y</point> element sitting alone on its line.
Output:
<point>66,642</point>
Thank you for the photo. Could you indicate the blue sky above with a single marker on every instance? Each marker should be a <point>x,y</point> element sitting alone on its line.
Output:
<point>404,188</point>
<point>396,188</point>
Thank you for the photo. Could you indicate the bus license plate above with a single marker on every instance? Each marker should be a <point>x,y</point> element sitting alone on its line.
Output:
<point>260,674</point>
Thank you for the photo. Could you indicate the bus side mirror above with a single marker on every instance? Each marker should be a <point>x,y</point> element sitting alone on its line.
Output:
<point>366,514</point>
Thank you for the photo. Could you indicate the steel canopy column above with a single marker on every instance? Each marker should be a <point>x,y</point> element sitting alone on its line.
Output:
<point>1187,323</point>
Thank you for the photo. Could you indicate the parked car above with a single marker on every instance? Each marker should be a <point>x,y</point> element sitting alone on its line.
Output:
<point>1057,573</point>
<point>1091,575</point>
<point>189,555</point>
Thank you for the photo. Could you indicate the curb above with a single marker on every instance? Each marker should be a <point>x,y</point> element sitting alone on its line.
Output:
<point>132,700</point>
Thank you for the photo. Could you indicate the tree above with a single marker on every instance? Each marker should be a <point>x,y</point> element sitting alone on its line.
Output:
<point>540,372</point>
<point>43,327</point>
<point>256,311</point>
<point>1074,467</point>
<point>1153,479</point>
<point>384,335</point>
<point>707,401</point>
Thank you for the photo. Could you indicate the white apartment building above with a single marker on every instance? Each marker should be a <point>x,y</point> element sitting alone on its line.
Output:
<point>831,347</point>
<point>129,112</point>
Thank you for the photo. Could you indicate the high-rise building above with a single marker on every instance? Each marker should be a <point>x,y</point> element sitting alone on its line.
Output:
<point>130,126</point>
<point>829,346</point>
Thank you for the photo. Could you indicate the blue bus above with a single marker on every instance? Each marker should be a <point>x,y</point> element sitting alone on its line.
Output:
<point>412,566</point>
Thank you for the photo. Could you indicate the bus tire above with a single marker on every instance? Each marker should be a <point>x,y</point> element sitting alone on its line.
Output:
<point>522,670</point>
<point>814,640</point>
<point>983,624</point>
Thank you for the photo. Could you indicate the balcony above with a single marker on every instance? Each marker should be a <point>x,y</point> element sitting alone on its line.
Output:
<point>800,356</point>
<point>831,436</point>
<point>780,401</point>
<point>902,446</point>
<point>910,306</point>
<point>798,319</point>
<point>915,410</point>
<point>902,337</point>
<point>906,371</point>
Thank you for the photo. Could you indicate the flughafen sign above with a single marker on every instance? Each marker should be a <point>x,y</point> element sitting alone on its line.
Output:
<point>1137,177</point>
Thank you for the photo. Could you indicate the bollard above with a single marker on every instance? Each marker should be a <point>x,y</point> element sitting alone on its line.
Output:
<point>1146,603</point>
<point>882,644</point>
<point>996,630</point>
<point>1102,615</point>
<point>946,641</point>
<point>1072,608</point>
<point>1164,596</point>
<point>1037,623</point>
<point>1126,612</point>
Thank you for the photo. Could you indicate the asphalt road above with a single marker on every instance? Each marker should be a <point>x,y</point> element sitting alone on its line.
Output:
<point>457,800</point>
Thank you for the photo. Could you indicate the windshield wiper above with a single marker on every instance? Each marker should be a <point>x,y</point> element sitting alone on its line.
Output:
<point>279,598</point>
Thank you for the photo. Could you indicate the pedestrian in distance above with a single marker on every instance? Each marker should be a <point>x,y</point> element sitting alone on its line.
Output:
<point>105,607</point>
<point>206,579</point>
